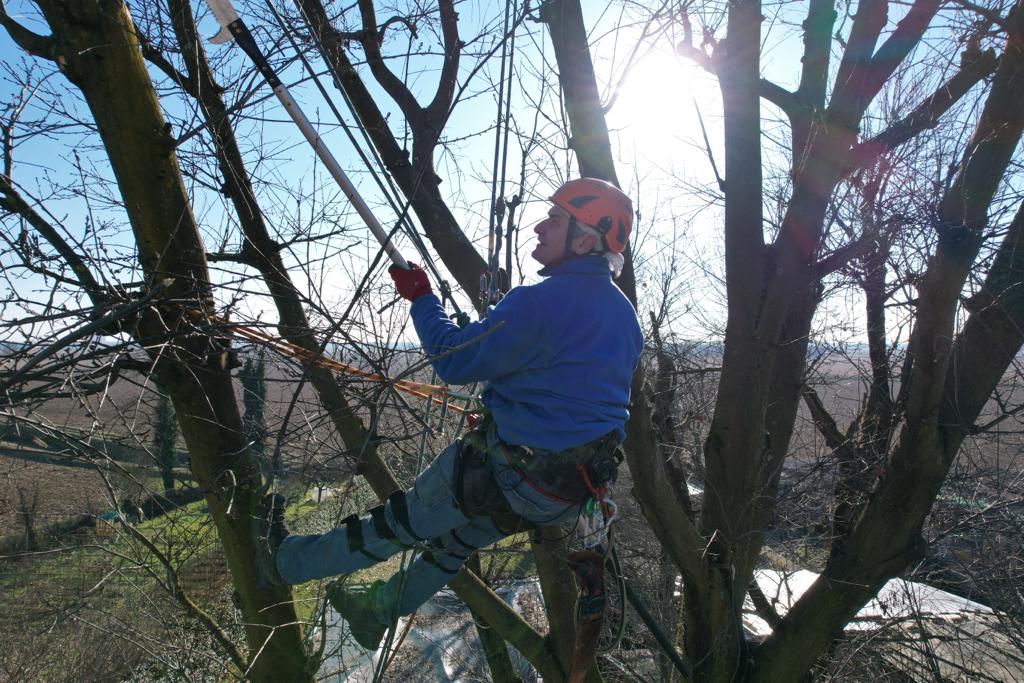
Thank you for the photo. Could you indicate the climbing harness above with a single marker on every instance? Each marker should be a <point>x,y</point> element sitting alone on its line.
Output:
<point>233,27</point>
<point>479,494</point>
<point>575,477</point>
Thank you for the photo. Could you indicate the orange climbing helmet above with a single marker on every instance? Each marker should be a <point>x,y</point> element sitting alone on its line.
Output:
<point>599,206</point>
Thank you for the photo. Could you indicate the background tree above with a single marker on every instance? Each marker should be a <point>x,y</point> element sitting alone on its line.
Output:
<point>165,437</point>
<point>253,379</point>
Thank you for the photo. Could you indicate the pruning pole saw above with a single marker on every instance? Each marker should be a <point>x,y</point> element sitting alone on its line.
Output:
<point>233,27</point>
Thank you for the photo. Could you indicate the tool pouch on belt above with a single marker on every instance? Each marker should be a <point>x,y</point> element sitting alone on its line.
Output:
<point>574,474</point>
<point>571,475</point>
<point>479,495</point>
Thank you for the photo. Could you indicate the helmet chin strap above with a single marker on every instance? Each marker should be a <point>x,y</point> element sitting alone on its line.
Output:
<point>570,235</point>
<point>574,230</point>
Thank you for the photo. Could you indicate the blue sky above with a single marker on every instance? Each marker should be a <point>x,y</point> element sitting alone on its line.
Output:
<point>655,132</point>
<point>662,159</point>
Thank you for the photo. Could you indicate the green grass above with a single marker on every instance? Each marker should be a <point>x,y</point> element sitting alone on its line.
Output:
<point>108,575</point>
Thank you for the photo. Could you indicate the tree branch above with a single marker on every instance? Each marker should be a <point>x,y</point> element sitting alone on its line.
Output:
<point>974,67</point>
<point>762,605</point>
<point>397,19</point>
<point>983,12</point>
<point>157,59</point>
<point>897,46</point>
<point>837,259</point>
<point>232,257</point>
<point>32,43</point>
<point>867,26</point>
<point>821,17</point>
<point>444,231</point>
<point>991,338</point>
<point>392,84</point>
<point>13,202</point>
<point>437,110</point>
<point>785,100</point>
<point>823,420</point>
<point>194,610</point>
<point>687,49</point>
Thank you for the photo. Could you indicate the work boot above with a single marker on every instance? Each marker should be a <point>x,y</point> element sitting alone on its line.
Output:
<point>356,606</point>
<point>268,530</point>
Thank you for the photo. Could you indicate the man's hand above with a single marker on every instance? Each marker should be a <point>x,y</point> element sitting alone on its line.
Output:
<point>411,284</point>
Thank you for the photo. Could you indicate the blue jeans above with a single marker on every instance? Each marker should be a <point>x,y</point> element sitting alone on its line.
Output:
<point>426,517</point>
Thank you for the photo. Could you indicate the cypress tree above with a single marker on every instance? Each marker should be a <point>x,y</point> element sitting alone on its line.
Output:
<point>165,434</point>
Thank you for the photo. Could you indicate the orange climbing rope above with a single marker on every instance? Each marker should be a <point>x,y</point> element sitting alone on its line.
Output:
<point>436,393</point>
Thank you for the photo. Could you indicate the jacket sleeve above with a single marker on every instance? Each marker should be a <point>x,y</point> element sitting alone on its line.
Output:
<point>507,340</point>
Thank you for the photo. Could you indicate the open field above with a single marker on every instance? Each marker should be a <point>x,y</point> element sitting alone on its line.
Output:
<point>59,493</point>
<point>86,589</point>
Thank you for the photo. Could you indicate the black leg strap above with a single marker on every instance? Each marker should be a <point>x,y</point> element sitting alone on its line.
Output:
<point>429,558</point>
<point>440,544</point>
<point>400,509</point>
<point>380,524</point>
<point>467,546</point>
<point>356,543</point>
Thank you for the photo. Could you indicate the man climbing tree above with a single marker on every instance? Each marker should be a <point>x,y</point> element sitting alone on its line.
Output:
<point>557,358</point>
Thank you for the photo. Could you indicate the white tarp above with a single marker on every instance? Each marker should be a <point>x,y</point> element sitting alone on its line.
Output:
<point>897,601</point>
<point>442,644</point>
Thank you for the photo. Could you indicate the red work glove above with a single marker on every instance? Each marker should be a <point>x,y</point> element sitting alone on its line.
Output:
<point>411,284</point>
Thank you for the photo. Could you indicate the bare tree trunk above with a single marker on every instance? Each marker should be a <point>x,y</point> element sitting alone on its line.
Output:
<point>589,132</point>
<point>28,509</point>
<point>494,646</point>
<point>590,141</point>
<point>945,397</point>
<point>97,50</point>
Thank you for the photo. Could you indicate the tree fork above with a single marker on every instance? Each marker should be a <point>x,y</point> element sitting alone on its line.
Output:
<point>943,396</point>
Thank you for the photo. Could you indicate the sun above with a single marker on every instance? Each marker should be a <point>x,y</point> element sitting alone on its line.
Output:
<point>655,111</point>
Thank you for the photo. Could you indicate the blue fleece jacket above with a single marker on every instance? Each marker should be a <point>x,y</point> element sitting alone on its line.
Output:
<point>558,356</point>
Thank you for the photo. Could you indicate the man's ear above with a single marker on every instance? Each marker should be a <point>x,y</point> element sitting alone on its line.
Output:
<point>584,244</point>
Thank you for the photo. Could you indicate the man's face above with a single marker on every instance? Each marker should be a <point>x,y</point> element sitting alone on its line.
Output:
<point>551,234</point>
<point>551,237</point>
